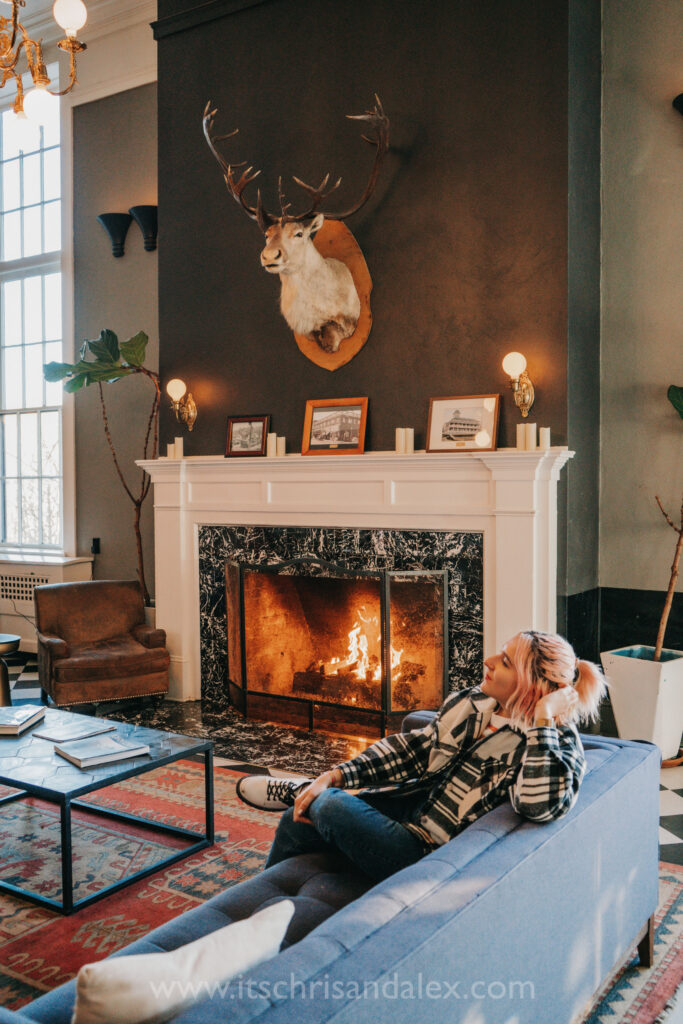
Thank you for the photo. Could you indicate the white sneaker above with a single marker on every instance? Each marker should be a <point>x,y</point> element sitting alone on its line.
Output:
<point>267,794</point>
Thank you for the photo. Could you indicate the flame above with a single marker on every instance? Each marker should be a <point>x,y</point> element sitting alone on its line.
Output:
<point>358,650</point>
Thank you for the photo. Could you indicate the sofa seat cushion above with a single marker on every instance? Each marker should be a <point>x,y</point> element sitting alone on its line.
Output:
<point>318,884</point>
<point>114,658</point>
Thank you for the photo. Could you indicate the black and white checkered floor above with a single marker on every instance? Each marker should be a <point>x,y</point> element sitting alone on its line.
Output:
<point>24,685</point>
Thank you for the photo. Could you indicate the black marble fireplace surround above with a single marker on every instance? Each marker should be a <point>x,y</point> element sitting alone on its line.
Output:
<point>461,553</point>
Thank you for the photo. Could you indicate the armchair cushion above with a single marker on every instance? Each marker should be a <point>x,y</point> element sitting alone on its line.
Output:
<point>115,658</point>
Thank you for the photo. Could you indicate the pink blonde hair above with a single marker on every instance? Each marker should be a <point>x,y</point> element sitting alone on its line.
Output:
<point>544,661</point>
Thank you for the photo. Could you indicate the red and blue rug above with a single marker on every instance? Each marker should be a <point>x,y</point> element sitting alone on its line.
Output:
<point>40,949</point>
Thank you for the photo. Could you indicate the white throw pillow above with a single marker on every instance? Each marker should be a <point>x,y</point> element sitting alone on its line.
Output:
<point>148,988</point>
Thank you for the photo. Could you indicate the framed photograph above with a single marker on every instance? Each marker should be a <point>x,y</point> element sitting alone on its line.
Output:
<point>247,435</point>
<point>335,425</point>
<point>463,423</point>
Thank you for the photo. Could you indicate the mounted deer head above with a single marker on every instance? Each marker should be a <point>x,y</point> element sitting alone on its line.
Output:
<point>318,297</point>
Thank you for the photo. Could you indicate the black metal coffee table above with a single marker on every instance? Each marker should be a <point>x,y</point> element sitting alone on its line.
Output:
<point>30,765</point>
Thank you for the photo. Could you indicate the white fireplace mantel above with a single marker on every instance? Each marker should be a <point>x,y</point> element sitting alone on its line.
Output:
<point>509,496</point>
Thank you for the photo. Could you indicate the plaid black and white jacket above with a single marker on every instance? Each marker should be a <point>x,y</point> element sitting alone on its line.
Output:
<point>465,772</point>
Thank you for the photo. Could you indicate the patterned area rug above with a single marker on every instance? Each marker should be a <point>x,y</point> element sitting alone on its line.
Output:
<point>40,949</point>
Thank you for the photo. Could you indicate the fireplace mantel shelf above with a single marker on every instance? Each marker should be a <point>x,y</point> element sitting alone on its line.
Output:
<point>508,496</point>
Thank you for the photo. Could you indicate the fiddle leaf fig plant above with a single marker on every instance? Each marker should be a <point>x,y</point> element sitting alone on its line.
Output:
<point>105,361</point>
<point>675,396</point>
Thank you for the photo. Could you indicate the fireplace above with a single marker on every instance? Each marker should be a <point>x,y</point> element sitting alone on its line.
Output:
<point>489,517</point>
<point>319,645</point>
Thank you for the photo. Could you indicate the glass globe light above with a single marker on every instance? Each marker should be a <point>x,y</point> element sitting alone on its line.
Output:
<point>71,15</point>
<point>514,364</point>
<point>27,133</point>
<point>39,105</point>
<point>176,389</point>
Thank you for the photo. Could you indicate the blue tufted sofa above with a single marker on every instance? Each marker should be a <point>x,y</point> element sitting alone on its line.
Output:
<point>510,921</point>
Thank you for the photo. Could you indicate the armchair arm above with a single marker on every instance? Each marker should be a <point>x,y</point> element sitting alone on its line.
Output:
<point>149,637</point>
<point>54,646</point>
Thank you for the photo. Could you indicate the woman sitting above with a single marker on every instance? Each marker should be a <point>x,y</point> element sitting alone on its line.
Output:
<point>512,737</point>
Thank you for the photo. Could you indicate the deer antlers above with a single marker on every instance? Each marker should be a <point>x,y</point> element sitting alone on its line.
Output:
<point>377,135</point>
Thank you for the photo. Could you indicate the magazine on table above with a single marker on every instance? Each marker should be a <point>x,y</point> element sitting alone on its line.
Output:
<point>66,732</point>
<point>13,721</point>
<point>100,750</point>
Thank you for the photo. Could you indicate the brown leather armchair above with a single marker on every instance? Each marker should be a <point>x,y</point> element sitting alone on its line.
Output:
<point>94,644</point>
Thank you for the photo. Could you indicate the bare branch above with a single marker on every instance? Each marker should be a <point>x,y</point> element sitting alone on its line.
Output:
<point>678,529</point>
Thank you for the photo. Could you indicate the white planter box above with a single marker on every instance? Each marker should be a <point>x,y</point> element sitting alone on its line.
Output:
<point>647,696</point>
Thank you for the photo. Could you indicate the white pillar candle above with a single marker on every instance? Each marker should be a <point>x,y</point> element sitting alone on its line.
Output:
<point>271,445</point>
<point>170,451</point>
<point>544,438</point>
<point>281,445</point>
<point>400,439</point>
<point>521,437</point>
<point>410,439</point>
<point>178,447</point>
<point>530,435</point>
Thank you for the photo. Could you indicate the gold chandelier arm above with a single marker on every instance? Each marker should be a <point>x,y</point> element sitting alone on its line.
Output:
<point>72,47</point>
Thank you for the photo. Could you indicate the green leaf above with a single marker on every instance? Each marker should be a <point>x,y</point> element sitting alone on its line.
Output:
<point>107,375</point>
<point>84,349</point>
<point>56,371</point>
<point>106,347</point>
<point>133,350</point>
<point>75,384</point>
<point>675,396</point>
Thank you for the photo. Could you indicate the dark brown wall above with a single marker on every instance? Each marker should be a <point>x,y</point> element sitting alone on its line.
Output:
<point>465,237</point>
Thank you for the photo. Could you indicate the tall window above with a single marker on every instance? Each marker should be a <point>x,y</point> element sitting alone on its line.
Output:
<point>30,335</point>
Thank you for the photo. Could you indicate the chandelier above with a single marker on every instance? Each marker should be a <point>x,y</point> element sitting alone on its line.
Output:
<point>71,16</point>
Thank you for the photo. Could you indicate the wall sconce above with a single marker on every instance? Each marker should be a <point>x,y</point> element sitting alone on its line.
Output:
<point>146,219</point>
<point>182,404</point>
<point>514,365</point>
<point>116,225</point>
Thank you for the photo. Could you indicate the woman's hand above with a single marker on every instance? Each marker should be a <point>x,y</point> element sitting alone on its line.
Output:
<point>308,795</point>
<point>557,704</point>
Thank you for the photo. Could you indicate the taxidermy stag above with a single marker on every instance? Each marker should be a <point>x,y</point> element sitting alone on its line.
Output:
<point>318,297</point>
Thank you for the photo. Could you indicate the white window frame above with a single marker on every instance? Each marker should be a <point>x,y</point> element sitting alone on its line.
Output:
<point>42,263</point>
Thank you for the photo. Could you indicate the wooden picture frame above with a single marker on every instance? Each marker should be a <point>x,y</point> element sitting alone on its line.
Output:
<point>335,426</point>
<point>463,423</point>
<point>246,436</point>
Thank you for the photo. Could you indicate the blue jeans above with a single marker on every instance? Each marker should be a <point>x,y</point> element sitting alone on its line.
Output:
<point>375,842</point>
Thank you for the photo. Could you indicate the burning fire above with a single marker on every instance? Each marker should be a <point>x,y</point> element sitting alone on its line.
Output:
<point>358,659</point>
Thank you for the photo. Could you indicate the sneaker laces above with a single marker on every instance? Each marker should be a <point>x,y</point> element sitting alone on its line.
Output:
<point>282,789</point>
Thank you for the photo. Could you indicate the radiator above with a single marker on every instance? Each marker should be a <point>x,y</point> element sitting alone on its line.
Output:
<point>17,583</point>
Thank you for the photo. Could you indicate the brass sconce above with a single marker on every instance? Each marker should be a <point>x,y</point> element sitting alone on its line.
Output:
<point>182,404</point>
<point>514,365</point>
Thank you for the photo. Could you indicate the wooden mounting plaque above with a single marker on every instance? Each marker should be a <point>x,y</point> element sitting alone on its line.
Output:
<point>335,240</point>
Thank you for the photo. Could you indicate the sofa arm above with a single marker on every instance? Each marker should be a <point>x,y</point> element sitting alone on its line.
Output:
<point>148,636</point>
<point>54,646</point>
<point>14,1017</point>
<point>417,720</point>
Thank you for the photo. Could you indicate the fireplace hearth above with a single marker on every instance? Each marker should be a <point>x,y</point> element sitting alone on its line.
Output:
<point>321,646</point>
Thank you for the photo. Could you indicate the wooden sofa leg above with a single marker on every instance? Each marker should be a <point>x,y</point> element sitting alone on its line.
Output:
<point>646,945</point>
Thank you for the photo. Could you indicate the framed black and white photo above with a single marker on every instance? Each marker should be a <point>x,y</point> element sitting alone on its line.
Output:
<point>247,435</point>
<point>335,425</point>
<point>463,423</point>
